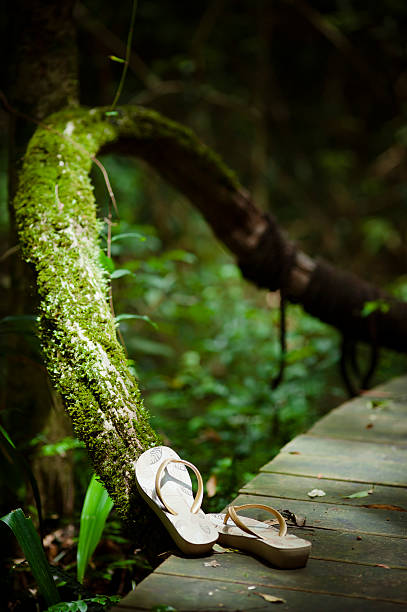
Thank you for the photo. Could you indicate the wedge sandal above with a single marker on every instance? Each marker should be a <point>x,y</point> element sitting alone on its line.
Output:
<point>278,548</point>
<point>164,483</point>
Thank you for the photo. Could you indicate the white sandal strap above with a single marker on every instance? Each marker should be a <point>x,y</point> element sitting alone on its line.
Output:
<point>199,495</point>
<point>231,512</point>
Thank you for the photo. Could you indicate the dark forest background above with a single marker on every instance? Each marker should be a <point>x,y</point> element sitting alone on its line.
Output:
<point>307,102</point>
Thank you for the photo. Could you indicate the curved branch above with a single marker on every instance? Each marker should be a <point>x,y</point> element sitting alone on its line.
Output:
<point>56,218</point>
<point>266,256</point>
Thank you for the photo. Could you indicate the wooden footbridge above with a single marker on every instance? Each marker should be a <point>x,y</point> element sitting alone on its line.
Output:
<point>357,456</point>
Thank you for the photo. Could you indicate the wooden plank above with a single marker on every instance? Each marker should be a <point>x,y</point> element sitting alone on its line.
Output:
<point>186,594</point>
<point>331,516</point>
<point>190,594</point>
<point>340,468</point>
<point>357,420</point>
<point>347,548</point>
<point>396,387</point>
<point>361,443</point>
<point>364,451</point>
<point>328,577</point>
<point>296,487</point>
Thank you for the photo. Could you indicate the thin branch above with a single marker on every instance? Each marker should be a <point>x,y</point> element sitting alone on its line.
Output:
<point>107,182</point>
<point>128,52</point>
<point>9,252</point>
<point>112,42</point>
<point>206,24</point>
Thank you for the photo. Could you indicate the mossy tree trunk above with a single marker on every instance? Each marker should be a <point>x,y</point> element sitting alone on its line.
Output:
<point>56,217</point>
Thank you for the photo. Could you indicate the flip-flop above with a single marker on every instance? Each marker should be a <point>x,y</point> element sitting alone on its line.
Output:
<point>282,550</point>
<point>163,481</point>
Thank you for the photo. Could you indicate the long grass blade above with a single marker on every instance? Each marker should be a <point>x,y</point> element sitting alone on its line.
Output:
<point>31,546</point>
<point>95,511</point>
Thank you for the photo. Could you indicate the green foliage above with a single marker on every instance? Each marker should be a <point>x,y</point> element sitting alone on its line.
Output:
<point>96,508</point>
<point>127,317</point>
<point>375,306</point>
<point>82,605</point>
<point>31,546</point>
<point>61,447</point>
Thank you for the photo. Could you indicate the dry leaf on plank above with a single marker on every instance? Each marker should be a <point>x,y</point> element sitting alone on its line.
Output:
<point>271,598</point>
<point>316,493</point>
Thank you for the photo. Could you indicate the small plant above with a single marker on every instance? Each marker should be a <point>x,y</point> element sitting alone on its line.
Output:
<point>82,605</point>
<point>95,510</point>
<point>31,546</point>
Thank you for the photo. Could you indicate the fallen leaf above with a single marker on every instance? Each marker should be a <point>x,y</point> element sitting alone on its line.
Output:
<point>212,563</point>
<point>364,493</point>
<point>299,520</point>
<point>375,403</point>
<point>316,493</point>
<point>211,486</point>
<point>271,598</point>
<point>219,550</point>
<point>294,453</point>
<point>382,565</point>
<point>369,426</point>
<point>385,507</point>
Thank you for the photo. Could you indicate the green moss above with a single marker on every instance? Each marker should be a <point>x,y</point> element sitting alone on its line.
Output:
<point>58,228</point>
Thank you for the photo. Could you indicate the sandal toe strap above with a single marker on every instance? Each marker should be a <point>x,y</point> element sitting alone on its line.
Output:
<point>232,513</point>
<point>199,495</point>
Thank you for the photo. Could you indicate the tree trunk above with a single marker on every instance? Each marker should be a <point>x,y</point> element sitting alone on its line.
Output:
<point>43,79</point>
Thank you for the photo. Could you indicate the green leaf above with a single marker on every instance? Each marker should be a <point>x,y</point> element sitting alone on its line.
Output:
<point>120,272</point>
<point>81,605</point>
<point>373,306</point>
<point>119,60</point>
<point>61,447</point>
<point>180,255</point>
<point>137,235</point>
<point>359,494</point>
<point>6,436</point>
<point>95,510</point>
<point>124,317</point>
<point>104,600</point>
<point>111,113</point>
<point>70,606</point>
<point>106,262</point>
<point>31,546</point>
